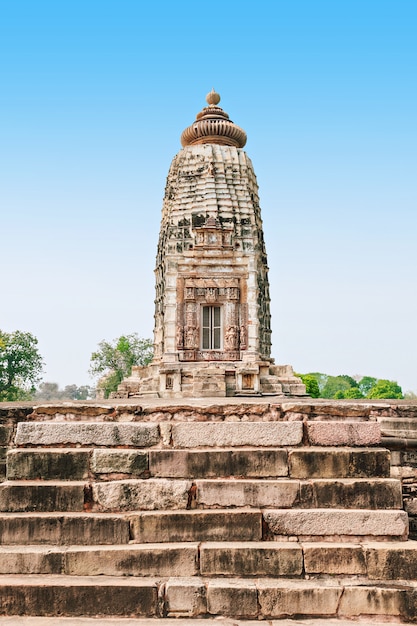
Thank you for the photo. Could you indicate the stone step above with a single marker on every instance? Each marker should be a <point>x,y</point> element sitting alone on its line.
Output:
<point>343,524</point>
<point>55,464</point>
<point>163,493</point>
<point>49,595</point>
<point>83,596</point>
<point>169,559</point>
<point>115,434</point>
<point>372,560</point>
<point>196,525</point>
<point>322,462</point>
<point>369,560</point>
<point>144,527</point>
<point>147,434</point>
<point>383,493</point>
<point>186,435</point>
<point>201,525</point>
<point>63,529</point>
<point>79,464</point>
<point>37,496</point>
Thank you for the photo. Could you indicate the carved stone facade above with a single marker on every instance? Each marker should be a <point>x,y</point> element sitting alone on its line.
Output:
<point>212,332</point>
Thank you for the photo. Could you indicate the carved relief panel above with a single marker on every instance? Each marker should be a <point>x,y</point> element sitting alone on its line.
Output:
<point>211,320</point>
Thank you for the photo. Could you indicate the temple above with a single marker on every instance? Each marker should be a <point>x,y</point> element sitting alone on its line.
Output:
<point>212,334</point>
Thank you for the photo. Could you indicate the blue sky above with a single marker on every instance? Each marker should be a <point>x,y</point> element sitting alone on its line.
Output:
<point>94,96</point>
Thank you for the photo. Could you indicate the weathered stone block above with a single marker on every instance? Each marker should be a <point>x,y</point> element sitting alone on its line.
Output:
<point>371,600</point>
<point>119,462</point>
<point>237,598</point>
<point>397,427</point>
<point>392,561</point>
<point>32,496</point>
<point>133,560</point>
<point>5,434</point>
<point>410,505</point>
<point>30,560</point>
<point>73,409</point>
<point>282,599</point>
<point>84,596</point>
<point>145,495</point>
<point>251,559</point>
<point>185,597</point>
<point>252,493</point>
<point>55,464</point>
<point>334,558</point>
<point>93,528</point>
<point>338,522</point>
<point>351,493</point>
<point>67,529</point>
<point>343,433</point>
<point>197,525</point>
<point>218,463</point>
<point>234,434</point>
<point>137,435</point>
<point>338,463</point>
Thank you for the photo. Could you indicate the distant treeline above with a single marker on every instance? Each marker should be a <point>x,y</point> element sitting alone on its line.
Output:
<point>320,385</point>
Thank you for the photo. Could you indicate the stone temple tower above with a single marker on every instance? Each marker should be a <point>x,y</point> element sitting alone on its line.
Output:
<point>212,334</point>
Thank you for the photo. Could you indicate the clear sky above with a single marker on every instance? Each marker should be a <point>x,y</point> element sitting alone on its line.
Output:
<point>94,95</point>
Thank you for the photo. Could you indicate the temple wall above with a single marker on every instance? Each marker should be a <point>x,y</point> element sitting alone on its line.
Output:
<point>212,181</point>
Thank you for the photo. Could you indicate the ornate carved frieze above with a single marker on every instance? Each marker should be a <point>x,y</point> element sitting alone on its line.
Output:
<point>203,355</point>
<point>211,290</point>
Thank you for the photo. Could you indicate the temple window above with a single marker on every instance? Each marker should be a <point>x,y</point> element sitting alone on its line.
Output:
<point>211,328</point>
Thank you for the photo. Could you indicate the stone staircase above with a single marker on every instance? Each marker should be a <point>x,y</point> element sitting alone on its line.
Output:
<point>123,513</point>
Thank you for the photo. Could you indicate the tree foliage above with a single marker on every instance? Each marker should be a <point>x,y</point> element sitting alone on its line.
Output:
<point>51,391</point>
<point>346,387</point>
<point>336,386</point>
<point>312,386</point>
<point>385,389</point>
<point>20,365</point>
<point>366,383</point>
<point>113,360</point>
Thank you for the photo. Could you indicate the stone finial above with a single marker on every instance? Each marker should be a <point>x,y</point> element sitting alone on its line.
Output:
<point>212,98</point>
<point>212,125</point>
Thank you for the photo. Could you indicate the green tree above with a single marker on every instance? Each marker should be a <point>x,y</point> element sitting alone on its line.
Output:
<point>366,383</point>
<point>353,392</point>
<point>351,381</point>
<point>20,365</point>
<point>48,391</point>
<point>386,389</point>
<point>336,385</point>
<point>84,392</point>
<point>51,391</point>
<point>321,379</point>
<point>113,361</point>
<point>312,386</point>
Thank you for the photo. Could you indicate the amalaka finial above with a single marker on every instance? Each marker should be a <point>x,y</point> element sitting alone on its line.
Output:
<point>213,125</point>
<point>212,98</point>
